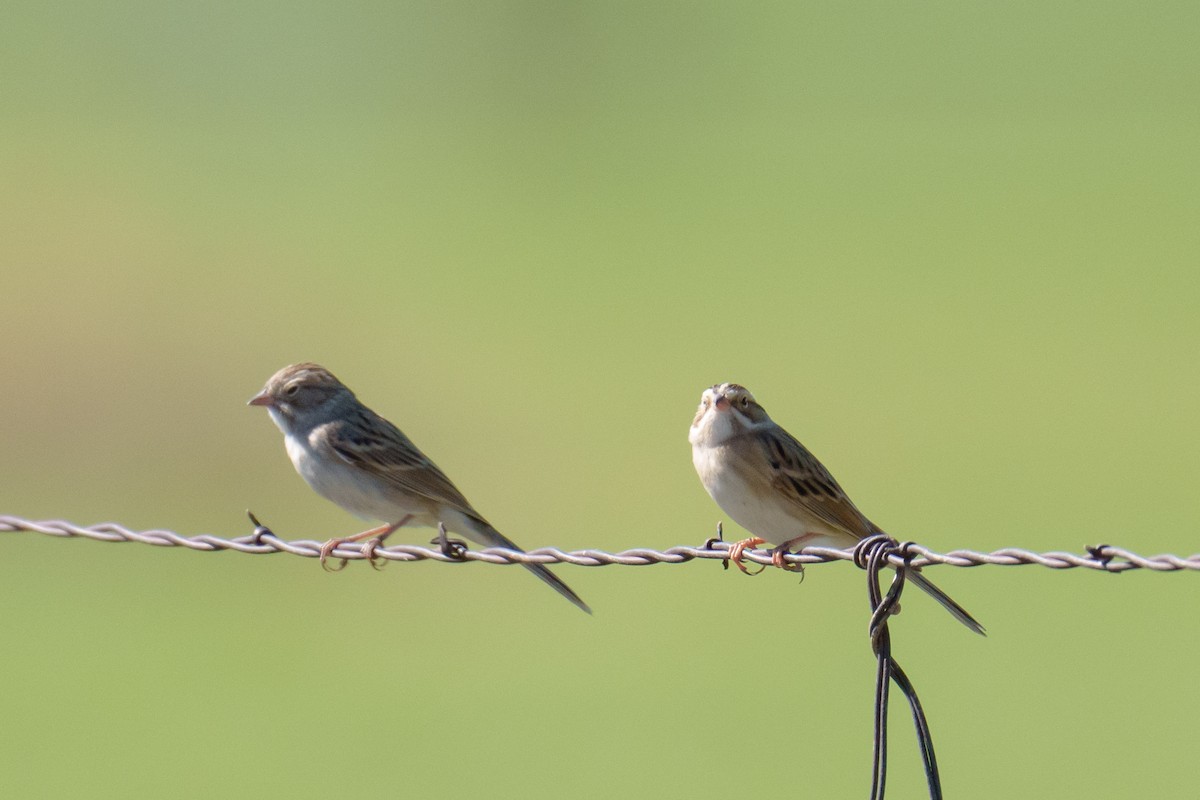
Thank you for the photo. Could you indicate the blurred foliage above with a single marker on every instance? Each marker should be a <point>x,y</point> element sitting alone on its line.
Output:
<point>952,247</point>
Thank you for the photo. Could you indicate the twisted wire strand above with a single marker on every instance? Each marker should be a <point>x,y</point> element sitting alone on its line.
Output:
<point>1105,558</point>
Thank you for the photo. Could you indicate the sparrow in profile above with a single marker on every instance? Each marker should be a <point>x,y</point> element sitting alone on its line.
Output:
<point>365,464</point>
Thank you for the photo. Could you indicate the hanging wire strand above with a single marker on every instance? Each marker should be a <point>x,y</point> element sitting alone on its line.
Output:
<point>1104,558</point>
<point>873,554</point>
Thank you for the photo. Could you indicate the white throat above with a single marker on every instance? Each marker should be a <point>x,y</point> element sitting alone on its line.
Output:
<point>717,427</point>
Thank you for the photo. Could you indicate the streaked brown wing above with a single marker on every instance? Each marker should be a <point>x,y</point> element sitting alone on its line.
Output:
<point>370,442</point>
<point>803,480</point>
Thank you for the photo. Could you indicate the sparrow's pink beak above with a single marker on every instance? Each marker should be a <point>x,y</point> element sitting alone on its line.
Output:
<point>261,399</point>
<point>720,402</point>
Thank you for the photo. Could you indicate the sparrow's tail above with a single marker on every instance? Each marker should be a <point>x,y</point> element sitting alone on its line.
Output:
<point>954,608</point>
<point>500,540</point>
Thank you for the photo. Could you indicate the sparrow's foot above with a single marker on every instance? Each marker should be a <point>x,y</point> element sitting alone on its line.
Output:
<point>375,537</point>
<point>778,559</point>
<point>328,548</point>
<point>735,553</point>
<point>368,550</point>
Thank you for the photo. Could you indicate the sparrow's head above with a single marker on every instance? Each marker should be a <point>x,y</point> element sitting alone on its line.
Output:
<point>300,392</point>
<point>725,411</point>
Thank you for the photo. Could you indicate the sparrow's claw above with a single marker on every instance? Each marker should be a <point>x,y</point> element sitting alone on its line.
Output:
<point>778,559</point>
<point>374,538</point>
<point>735,553</point>
<point>368,549</point>
<point>327,549</point>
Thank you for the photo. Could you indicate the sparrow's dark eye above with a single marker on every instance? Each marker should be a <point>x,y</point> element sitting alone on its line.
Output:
<point>744,401</point>
<point>291,390</point>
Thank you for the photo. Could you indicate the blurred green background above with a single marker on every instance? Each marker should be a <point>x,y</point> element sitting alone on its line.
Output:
<point>953,247</point>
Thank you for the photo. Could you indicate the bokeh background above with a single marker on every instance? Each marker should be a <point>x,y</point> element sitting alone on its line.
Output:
<point>952,247</point>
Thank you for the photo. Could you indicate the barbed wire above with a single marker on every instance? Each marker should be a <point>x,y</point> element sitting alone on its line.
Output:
<point>1105,558</point>
<point>871,554</point>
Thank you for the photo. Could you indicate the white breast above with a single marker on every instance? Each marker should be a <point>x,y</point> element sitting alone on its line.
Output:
<point>756,509</point>
<point>352,488</point>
